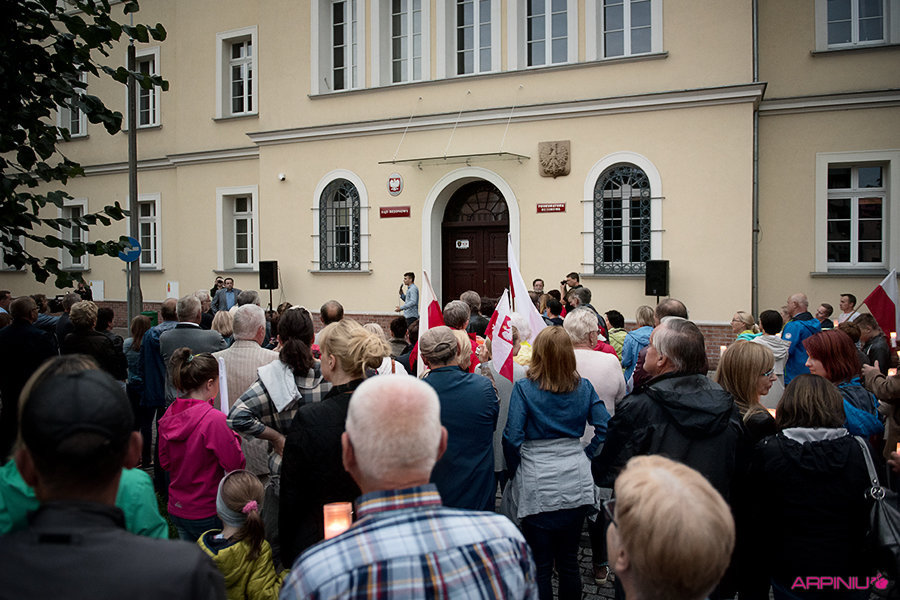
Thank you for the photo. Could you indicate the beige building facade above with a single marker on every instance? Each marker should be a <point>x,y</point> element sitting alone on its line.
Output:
<point>354,140</point>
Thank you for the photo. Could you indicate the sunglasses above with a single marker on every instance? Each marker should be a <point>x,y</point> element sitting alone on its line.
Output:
<point>609,509</point>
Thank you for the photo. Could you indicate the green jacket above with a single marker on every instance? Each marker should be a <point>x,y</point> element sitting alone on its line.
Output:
<point>136,498</point>
<point>244,579</point>
<point>617,339</point>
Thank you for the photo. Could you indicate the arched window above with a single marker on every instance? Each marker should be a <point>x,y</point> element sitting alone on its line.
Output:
<point>339,227</point>
<point>622,220</point>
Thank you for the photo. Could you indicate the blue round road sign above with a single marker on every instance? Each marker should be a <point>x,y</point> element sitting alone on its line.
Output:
<point>133,253</point>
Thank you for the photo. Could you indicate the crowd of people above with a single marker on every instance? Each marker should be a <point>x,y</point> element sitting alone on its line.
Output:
<point>469,480</point>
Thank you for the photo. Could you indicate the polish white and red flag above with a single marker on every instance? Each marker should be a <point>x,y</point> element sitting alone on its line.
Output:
<point>499,330</point>
<point>521,302</point>
<point>430,315</point>
<point>884,302</point>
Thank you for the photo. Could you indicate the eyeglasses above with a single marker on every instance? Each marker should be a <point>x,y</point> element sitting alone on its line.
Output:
<point>609,509</point>
<point>768,373</point>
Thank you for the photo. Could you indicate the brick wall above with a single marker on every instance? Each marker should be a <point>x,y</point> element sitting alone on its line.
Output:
<point>715,335</point>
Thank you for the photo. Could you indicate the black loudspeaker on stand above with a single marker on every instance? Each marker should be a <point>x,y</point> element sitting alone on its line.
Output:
<point>268,274</point>
<point>656,278</point>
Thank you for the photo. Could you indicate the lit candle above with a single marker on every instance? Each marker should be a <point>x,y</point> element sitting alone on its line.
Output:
<point>892,372</point>
<point>772,412</point>
<point>722,350</point>
<point>337,517</point>
<point>893,339</point>
<point>898,447</point>
<point>836,323</point>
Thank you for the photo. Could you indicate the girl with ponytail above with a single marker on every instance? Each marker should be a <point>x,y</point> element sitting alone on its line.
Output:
<point>195,444</point>
<point>313,470</point>
<point>268,407</point>
<point>239,549</point>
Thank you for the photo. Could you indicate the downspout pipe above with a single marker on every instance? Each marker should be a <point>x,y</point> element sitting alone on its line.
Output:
<point>754,252</point>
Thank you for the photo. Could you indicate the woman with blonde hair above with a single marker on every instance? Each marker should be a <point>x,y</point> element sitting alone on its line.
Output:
<point>744,326</point>
<point>551,486</point>
<point>747,372</point>
<point>637,339</point>
<point>223,322</point>
<point>389,365</point>
<point>312,472</point>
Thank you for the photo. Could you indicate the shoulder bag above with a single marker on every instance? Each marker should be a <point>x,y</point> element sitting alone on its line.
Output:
<point>884,521</point>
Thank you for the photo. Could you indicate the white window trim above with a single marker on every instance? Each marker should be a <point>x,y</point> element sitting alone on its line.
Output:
<point>445,39</point>
<point>891,160</point>
<point>223,99</point>
<point>593,31</point>
<point>656,196</point>
<point>65,259</point>
<point>516,12</point>
<point>63,112</point>
<point>381,43</point>
<point>892,27</point>
<point>156,198</point>
<point>320,47</point>
<point>363,217</point>
<point>224,250</point>
<point>140,53</point>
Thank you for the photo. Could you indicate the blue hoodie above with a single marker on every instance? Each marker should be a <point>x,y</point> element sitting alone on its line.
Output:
<point>635,341</point>
<point>796,331</point>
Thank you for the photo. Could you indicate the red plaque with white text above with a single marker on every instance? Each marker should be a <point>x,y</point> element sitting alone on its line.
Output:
<point>392,212</point>
<point>551,207</point>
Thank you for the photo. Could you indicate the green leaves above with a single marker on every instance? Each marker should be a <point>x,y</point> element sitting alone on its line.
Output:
<point>46,47</point>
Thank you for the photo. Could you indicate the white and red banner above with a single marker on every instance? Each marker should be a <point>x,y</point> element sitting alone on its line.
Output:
<point>500,332</point>
<point>521,302</point>
<point>430,315</point>
<point>883,303</point>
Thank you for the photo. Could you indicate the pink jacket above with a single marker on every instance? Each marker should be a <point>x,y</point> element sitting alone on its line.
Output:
<point>197,448</point>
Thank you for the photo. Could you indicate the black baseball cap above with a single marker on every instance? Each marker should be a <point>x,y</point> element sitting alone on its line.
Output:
<point>85,402</point>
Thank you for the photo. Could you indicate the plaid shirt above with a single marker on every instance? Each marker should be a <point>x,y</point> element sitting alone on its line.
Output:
<point>254,411</point>
<point>406,544</point>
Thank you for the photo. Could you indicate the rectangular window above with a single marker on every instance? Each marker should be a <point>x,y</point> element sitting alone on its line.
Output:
<point>148,230</point>
<point>627,27</point>
<point>473,36</point>
<point>238,227</point>
<point>546,30</point>
<point>855,22</point>
<point>406,40</point>
<point>856,216</point>
<point>147,63</point>
<point>237,74</point>
<point>73,209</point>
<point>73,118</point>
<point>344,44</point>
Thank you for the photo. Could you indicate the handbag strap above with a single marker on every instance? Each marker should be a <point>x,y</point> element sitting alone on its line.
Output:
<point>876,492</point>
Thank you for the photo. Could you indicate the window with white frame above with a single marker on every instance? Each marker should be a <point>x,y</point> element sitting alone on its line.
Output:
<point>338,45</point>
<point>406,40</point>
<point>7,249</point>
<point>71,117</point>
<point>147,63</point>
<point>73,208</point>
<point>546,26</point>
<point>854,215</point>
<point>238,227</point>
<point>237,73</point>
<point>842,24</point>
<point>622,215</point>
<point>341,224</point>
<point>148,230</point>
<point>622,28</point>
<point>473,36</point>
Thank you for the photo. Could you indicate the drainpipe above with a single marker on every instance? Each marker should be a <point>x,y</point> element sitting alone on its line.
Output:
<point>754,260</point>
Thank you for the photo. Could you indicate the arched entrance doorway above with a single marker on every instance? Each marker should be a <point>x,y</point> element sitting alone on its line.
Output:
<point>473,246</point>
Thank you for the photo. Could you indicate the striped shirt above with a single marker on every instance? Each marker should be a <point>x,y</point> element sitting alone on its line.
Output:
<point>406,544</point>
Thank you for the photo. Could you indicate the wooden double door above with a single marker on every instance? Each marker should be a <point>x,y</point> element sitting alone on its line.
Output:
<point>474,246</point>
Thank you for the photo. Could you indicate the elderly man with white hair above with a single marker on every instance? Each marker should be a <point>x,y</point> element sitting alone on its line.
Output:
<point>801,326</point>
<point>402,531</point>
<point>600,368</point>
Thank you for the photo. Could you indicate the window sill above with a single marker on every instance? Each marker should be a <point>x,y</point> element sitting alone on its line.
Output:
<point>253,115</point>
<point>75,138</point>
<point>611,275</point>
<point>76,269</point>
<point>151,270</point>
<point>144,128</point>
<point>235,270</point>
<point>335,272</point>
<point>849,273</point>
<point>494,74</point>
<point>844,50</point>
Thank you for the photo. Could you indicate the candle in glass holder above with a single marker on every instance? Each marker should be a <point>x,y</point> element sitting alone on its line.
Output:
<point>893,339</point>
<point>722,350</point>
<point>836,323</point>
<point>892,372</point>
<point>337,517</point>
<point>771,412</point>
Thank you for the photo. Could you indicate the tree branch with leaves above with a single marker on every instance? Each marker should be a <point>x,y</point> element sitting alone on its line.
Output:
<point>46,49</point>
